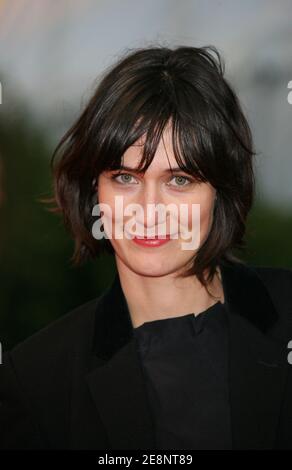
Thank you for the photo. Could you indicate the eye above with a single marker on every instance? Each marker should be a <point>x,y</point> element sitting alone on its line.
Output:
<point>126,180</point>
<point>181,179</point>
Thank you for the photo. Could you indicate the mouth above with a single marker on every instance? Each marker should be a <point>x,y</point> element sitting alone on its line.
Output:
<point>165,236</point>
<point>157,237</point>
<point>151,242</point>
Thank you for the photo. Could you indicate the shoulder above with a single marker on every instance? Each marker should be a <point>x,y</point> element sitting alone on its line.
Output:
<point>66,333</point>
<point>271,274</point>
<point>263,289</point>
<point>37,377</point>
<point>278,282</point>
<point>49,355</point>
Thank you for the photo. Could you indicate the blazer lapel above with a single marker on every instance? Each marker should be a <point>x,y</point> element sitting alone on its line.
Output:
<point>117,386</point>
<point>256,366</point>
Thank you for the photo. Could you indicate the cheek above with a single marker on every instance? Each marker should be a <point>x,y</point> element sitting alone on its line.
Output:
<point>203,213</point>
<point>206,212</point>
<point>105,199</point>
<point>112,207</point>
<point>104,194</point>
<point>206,219</point>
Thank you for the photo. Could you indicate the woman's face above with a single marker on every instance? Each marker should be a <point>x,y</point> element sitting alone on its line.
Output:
<point>156,186</point>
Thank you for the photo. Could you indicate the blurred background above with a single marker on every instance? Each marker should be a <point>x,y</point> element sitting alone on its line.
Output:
<point>51,56</point>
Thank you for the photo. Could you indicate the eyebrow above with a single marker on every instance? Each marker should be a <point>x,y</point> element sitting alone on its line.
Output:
<point>166,170</point>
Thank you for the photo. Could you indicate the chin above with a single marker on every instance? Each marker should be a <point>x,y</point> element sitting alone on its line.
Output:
<point>146,268</point>
<point>151,272</point>
<point>152,268</point>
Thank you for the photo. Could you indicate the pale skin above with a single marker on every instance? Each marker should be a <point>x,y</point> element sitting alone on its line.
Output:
<point>147,274</point>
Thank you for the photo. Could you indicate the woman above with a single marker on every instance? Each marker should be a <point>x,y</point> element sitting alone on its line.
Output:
<point>187,349</point>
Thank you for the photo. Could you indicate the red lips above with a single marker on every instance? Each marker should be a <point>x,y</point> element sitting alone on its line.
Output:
<point>151,242</point>
<point>157,237</point>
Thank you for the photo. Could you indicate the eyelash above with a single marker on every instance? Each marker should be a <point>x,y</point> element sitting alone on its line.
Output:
<point>190,181</point>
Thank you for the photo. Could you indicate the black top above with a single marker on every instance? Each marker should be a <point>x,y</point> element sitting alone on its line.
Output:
<point>185,364</point>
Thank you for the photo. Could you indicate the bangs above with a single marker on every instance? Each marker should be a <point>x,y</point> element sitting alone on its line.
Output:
<point>141,121</point>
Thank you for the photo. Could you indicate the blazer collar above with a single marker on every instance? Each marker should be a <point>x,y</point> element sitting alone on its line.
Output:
<point>244,293</point>
<point>257,371</point>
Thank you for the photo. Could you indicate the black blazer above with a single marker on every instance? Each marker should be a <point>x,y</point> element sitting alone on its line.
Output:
<point>78,383</point>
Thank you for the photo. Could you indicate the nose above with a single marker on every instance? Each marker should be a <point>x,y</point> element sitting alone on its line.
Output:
<point>153,209</point>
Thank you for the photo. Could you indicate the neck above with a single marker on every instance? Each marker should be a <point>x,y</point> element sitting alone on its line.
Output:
<point>154,298</point>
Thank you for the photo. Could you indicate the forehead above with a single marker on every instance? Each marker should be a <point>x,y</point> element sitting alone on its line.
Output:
<point>164,157</point>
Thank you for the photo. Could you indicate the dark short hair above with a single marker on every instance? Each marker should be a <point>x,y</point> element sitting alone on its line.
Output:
<point>144,90</point>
